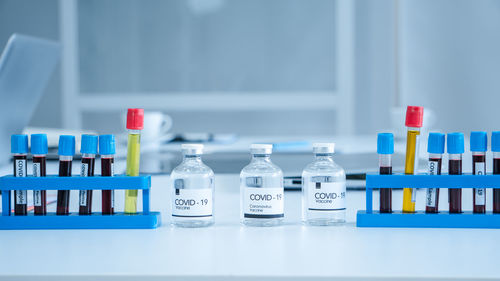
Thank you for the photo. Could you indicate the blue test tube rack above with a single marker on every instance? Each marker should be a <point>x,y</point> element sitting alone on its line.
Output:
<point>443,219</point>
<point>119,220</point>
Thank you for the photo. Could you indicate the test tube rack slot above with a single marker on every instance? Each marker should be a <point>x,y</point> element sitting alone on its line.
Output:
<point>420,219</point>
<point>119,220</point>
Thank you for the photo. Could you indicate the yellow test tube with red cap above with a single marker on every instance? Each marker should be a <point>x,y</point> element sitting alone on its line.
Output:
<point>413,123</point>
<point>135,123</point>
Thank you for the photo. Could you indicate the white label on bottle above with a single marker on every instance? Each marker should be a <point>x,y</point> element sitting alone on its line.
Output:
<point>37,194</point>
<point>21,195</point>
<point>20,168</point>
<point>192,202</point>
<point>326,196</point>
<point>83,193</point>
<point>263,202</point>
<point>431,197</point>
<point>480,194</point>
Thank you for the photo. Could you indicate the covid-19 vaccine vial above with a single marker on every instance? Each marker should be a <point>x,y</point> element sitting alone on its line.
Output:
<point>261,189</point>
<point>192,190</point>
<point>323,188</point>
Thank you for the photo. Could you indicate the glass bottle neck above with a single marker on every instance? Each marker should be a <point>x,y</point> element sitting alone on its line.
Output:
<point>261,157</point>
<point>192,158</point>
<point>323,157</point>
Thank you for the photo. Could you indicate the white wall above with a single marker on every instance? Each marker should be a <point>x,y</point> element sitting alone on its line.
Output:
<point>450,61</point>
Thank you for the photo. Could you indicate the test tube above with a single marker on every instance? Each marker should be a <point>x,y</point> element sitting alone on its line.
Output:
<point>385,149</point>
<point>39,151</point>
<point>66,152</point>
<point>495,148</point>
<point>435,147</point>
<point>107,151</point>
<point>414,119</point>
<point>478,147</point>
<point>19,149</point>
<point>455,149</point>
<point>88,150</point>
<point>135,123</point>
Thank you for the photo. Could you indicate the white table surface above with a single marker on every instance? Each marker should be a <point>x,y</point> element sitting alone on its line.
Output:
<point>229,250</point>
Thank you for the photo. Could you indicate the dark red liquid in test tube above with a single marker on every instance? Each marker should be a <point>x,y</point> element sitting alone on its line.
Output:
<point>496,191</point>
<point>40,196</point>
<point>479,207</point>
<point>20,196</point>
<point>63,195</point>
<point>86,206</point>
<point>434,207</point>
<point>455,194</point>
<point>107,195</point>
<point>386,193</point>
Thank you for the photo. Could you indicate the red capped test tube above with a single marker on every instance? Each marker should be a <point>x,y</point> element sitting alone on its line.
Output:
<point>435,148</point>
<point>107,151</point>
<point>19,149</point>
<point>66,152</point>
<point>455,149</point>
<point>478,146</point>
<point>495,147</point>
<point>385,149</point>
<point>88,150</point>
<point>39,151</point>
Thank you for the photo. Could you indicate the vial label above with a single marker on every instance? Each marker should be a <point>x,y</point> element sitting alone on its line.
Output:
<point>263,202</point>
<point>431,192</point>
<point>83,193</point>
<point>192,203</point>
<point>37,194</point>
<point>415,167</point>
<point>21,195</point>
<point>20,168</point>
<point>480,192</point>
<point>326,196</point>
<point>112,191</point>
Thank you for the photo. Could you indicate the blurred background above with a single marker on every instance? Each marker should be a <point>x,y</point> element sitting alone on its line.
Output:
<point>267,67</point>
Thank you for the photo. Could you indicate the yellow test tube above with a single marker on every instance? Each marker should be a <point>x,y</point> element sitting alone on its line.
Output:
<point>135,123</point>
<point>414,118</point>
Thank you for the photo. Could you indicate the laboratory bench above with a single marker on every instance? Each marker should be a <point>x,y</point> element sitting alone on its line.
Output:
<point>229,250</point>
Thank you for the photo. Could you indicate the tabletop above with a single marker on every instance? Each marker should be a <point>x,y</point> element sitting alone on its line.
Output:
<point>228,249</point>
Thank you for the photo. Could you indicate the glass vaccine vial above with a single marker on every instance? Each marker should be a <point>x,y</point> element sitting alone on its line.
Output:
<point>19,150</point>
<point>192,190</point>
<point>385,149</point>
<point>39,149</point>
<point>261,189</point>
<point>435,148</point>
<point>455,149</point>
<point>323,188</point>
<point>478,147</point>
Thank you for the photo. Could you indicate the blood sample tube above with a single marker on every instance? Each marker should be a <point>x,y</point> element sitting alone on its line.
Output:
<point>66,152</point>
<point>39,151</point>
<point>135,123</point>
<point>385,149</point>
<point>414,118</point>
<point>435,147</point>
<point>19,149</point>
<point>495,147</point>
<point>88,150</point>
<point>107,151</point>
<point>455,148</point>
<point>478,147</point>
